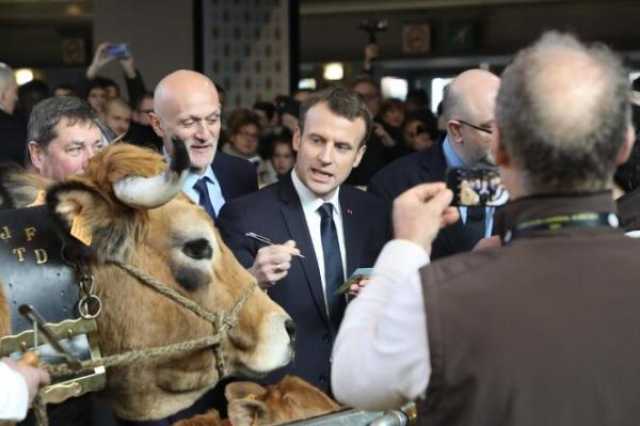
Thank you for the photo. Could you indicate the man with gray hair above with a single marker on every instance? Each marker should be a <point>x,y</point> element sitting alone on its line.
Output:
<point>544,329</point>
<point>12,128</point>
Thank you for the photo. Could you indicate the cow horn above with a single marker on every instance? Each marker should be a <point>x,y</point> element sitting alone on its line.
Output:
<point>154,191</point>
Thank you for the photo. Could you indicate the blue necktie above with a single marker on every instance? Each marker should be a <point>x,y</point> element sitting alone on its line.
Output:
<point>203,192</point>
<point>333,273</point>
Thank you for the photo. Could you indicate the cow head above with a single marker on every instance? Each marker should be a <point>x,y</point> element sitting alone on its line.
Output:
<point>127,206</point>
<point>250,404</point>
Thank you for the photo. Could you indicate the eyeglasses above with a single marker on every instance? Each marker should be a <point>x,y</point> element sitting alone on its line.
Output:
<point>478,128</point>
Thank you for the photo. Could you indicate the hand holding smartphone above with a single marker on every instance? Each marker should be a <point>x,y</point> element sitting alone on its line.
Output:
<point>358,275</point>
<point>118,50</point>
<point>479,187</point>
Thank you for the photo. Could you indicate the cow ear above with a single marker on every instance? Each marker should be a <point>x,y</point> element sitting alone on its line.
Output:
<point>239,390</point>
<point>247,412</point>
<point>78,210</point>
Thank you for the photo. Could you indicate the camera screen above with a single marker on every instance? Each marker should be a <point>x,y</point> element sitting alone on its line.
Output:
<point>477,187</point>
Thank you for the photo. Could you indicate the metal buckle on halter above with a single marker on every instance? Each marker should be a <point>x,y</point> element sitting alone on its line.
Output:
<point>80,338</point>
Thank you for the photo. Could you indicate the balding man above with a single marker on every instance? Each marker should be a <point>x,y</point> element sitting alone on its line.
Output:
<point>469,111</point>
<point>186,105</point>
<point>545,329</point>
<point>13,133</point>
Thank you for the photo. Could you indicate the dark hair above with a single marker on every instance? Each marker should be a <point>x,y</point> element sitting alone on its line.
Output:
<point>30,94</point>
<point>342,102</point>
<point>102,83</point>
<point>287,105</point>
<point>389,104</point>
<point>268,108</point>
<point>64,86</point>
<point>48,113</point>
<point>241,117</point>
<point>135,103</point>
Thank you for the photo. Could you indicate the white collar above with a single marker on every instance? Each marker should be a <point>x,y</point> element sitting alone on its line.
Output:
<point>309,200</point>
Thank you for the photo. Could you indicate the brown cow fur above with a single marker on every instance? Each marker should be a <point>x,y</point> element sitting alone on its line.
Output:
<point>253,405</point>
<point>5,312</point>
<point>136,317</point>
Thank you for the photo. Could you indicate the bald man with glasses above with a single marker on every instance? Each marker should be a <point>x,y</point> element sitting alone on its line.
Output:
<point>469,105</point>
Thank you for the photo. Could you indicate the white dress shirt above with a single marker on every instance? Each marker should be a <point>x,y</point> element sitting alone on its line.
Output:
<point>381,355</point>
<point>310,205</point>
<point>14,395</point>
<point>213,186</point>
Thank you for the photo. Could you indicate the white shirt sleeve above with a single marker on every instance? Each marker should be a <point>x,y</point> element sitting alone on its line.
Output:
<point>381,355</point>
<point>14,395</point>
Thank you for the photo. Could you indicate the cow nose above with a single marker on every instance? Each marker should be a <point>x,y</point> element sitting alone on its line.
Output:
<point>290,326</point>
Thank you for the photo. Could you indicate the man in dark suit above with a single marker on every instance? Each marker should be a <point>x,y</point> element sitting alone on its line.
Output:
<point>187,106</point>
<point>13,130</point>
<point>468,108</point>
<point>309,213</point>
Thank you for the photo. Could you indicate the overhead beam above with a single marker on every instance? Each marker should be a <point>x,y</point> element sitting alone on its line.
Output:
<point>322,7</point>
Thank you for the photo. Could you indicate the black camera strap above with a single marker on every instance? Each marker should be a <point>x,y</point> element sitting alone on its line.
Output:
<point>562,222</point>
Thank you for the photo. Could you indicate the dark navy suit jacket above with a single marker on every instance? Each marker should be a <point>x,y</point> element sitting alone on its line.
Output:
<point>237,177</point>
<point>276,212</point>
<point>414,169</point>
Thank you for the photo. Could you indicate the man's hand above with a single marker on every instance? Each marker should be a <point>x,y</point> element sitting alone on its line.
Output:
<point>100,59</point>
<point>33,376</point>
<point>273,262</point>
<point>420,212</point>
<point>357,287</point>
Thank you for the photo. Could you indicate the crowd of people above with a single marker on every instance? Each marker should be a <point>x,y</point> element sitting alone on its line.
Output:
<point>512,315</point>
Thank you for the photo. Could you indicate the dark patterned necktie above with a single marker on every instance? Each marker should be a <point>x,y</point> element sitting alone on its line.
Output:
<point>203,192</point>
<point>333,272</point>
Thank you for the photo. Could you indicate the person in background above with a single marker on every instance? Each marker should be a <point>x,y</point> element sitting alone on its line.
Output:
<point>417,135</point>
<point>29,94</point>
<point>283,157</point>
<point>12,128</point>
<point>243,127</point>
<point>117,115</point>
<point>64,90</point>
<point>140,131</point>
<point>469,110</point>
<point>266,112</point>
<point>96,95</point>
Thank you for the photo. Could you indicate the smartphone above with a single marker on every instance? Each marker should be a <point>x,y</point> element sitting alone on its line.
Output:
<point>118,50</point>
<point>476,187</point>
<point>357,275</point>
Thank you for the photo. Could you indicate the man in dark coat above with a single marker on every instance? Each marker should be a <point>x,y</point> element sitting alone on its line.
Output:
<point>469,110</point>
<point>322,230</point>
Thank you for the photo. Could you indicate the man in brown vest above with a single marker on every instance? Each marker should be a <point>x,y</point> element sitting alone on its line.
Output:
<point>543,330</point>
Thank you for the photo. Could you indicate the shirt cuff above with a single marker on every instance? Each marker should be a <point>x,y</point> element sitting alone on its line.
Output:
<point>400,257</point>
<point>14,397</point>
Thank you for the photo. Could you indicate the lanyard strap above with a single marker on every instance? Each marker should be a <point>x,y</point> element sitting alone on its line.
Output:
<point>563,221</point>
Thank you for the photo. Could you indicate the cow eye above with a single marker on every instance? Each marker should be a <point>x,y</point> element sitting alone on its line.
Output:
<point>198,249</point>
